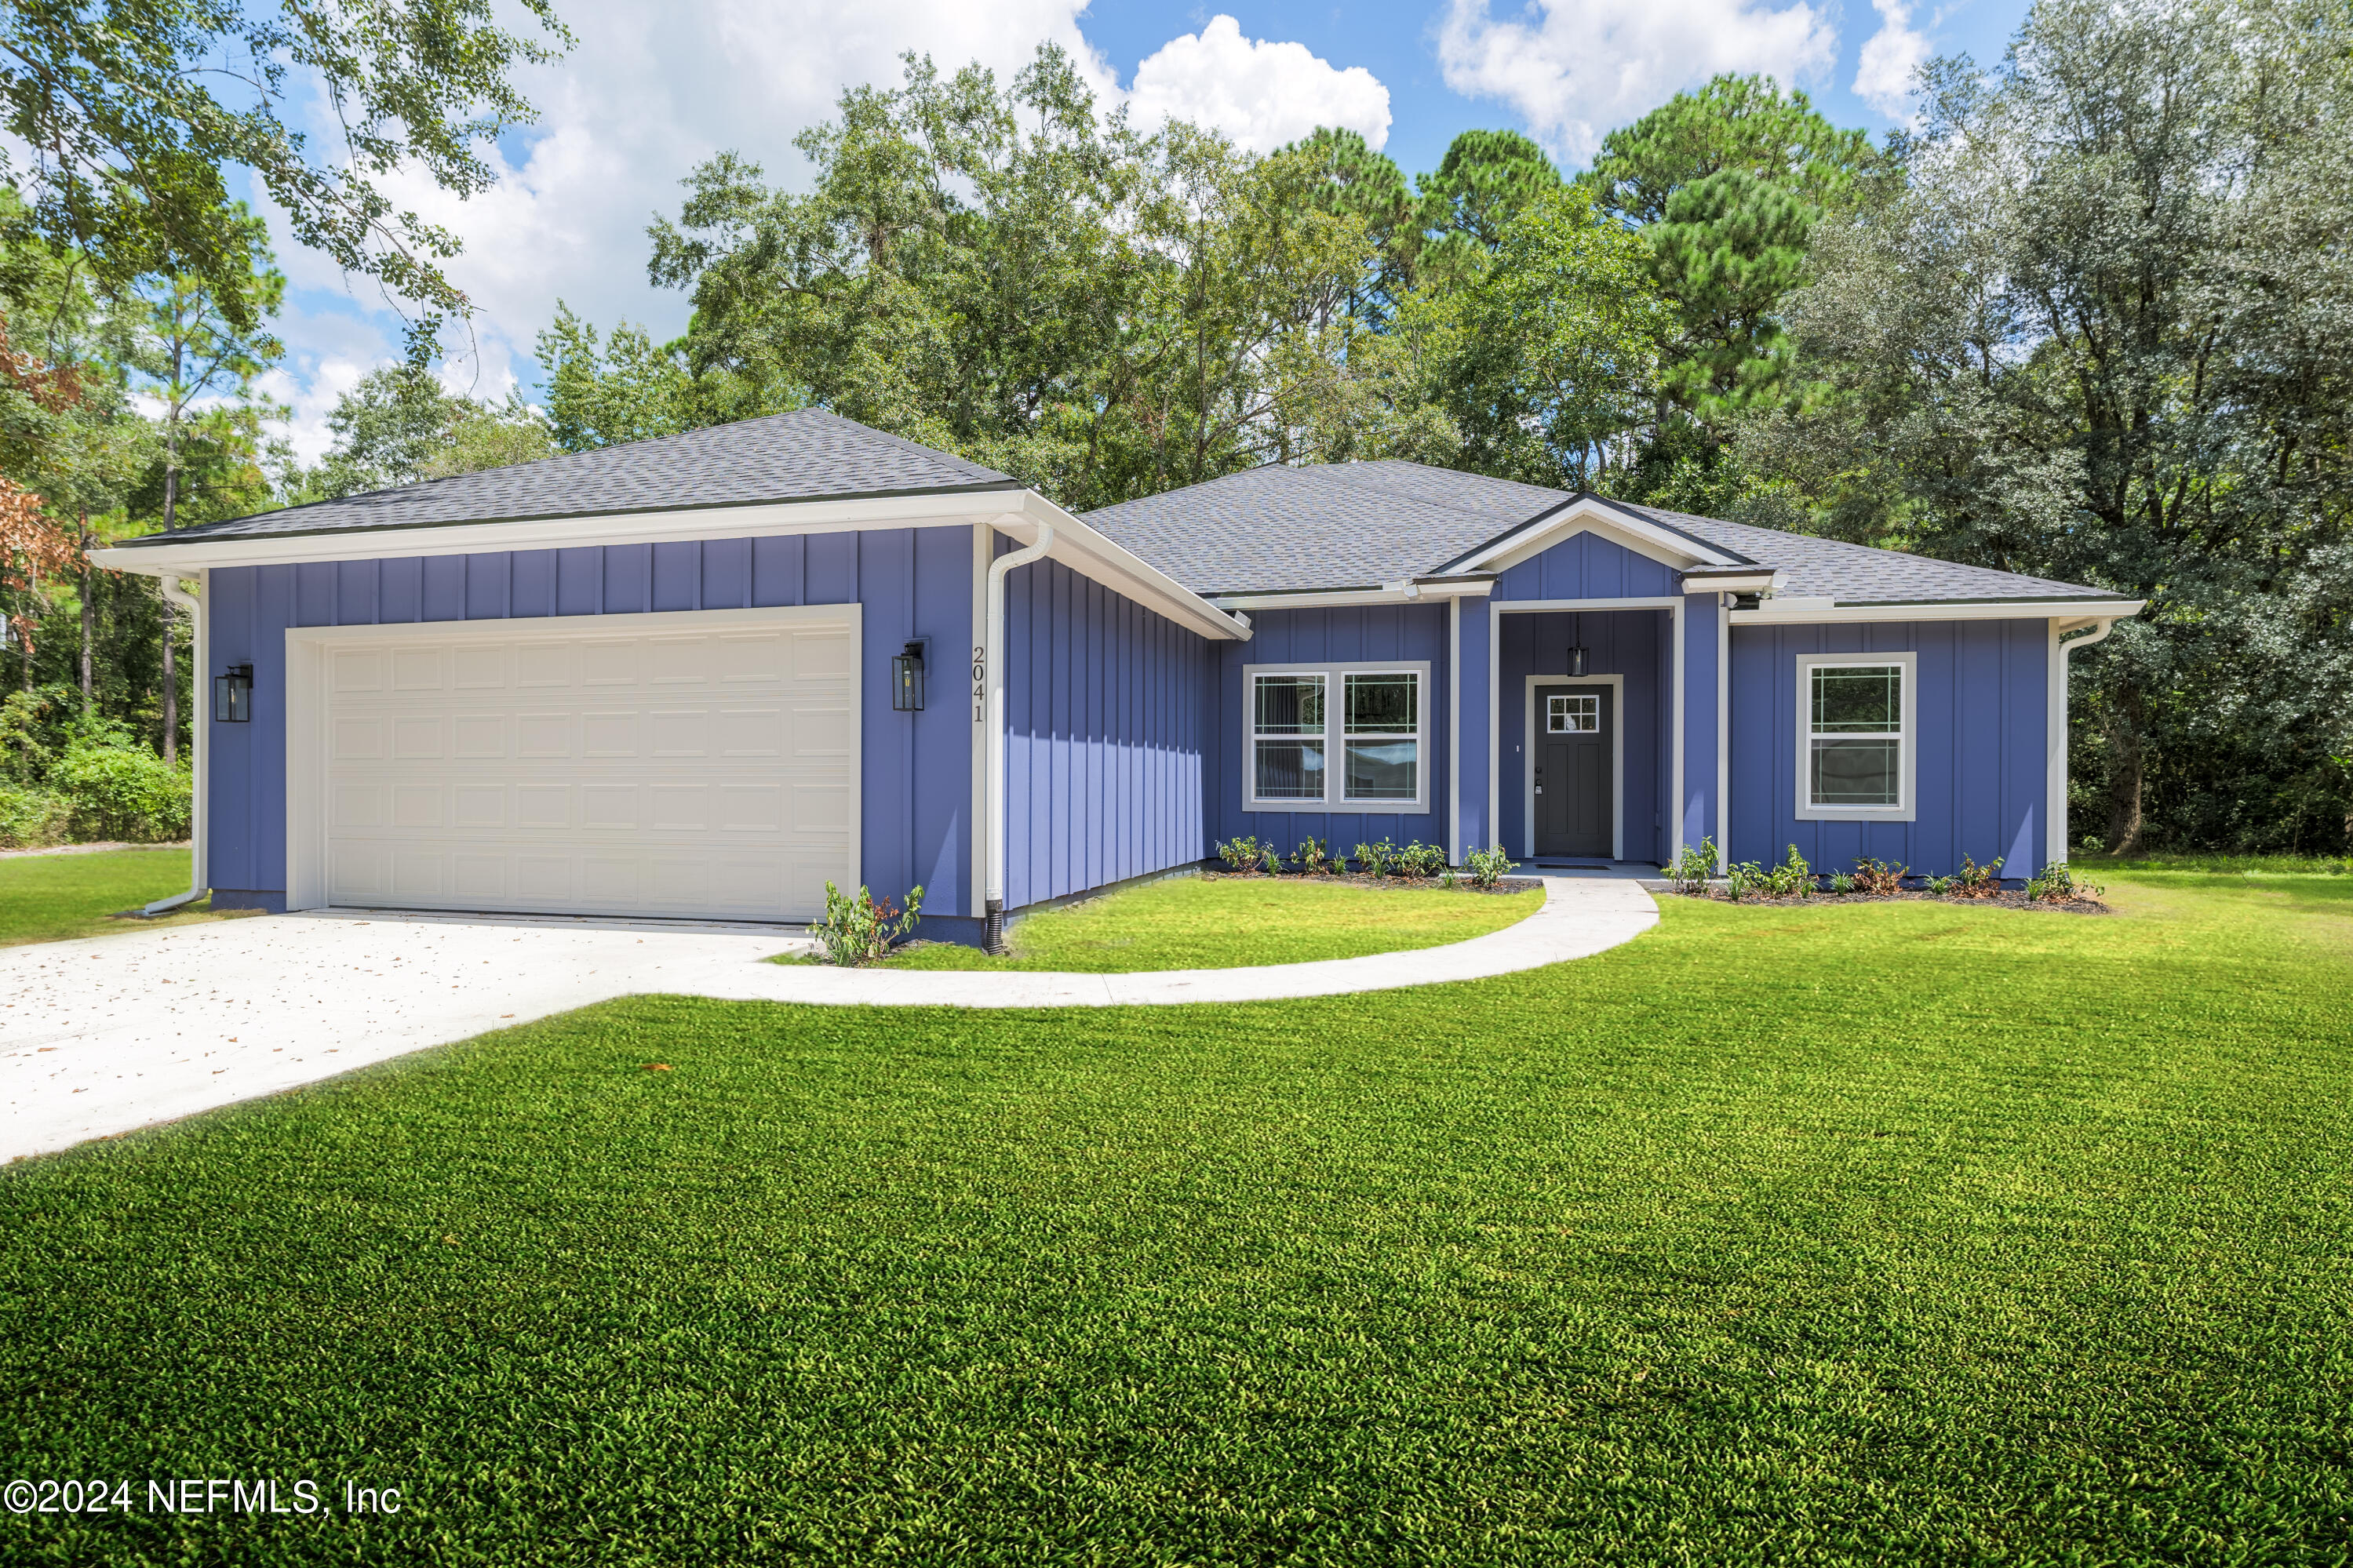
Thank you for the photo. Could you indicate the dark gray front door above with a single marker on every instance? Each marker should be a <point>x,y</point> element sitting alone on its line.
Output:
<point>1576,785</point>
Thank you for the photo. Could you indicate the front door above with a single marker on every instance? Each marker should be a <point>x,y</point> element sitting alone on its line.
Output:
<point>1576,786</point>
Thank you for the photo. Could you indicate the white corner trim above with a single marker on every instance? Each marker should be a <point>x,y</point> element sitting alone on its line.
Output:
<point>1907,808</point>
<point>2054,782</point>
<point>975,685</point>
<point>1675,637</point>
<point>1335,799</point>
<point>1723,733</point>
<point>1453,731</point>
<point>1616,684</point>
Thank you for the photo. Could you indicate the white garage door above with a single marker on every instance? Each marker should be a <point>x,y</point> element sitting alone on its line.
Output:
<point>709,770</point>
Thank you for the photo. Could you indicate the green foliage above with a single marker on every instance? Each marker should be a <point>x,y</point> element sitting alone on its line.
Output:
<point>397,426</point>
<point>1376,859</point>
<point>1313,857</point>
<point>2056,884</point>
<point>1241,854</point>
<point>1842,882</point>
<point>114,788</point>
<point>1693,867</point>
<point>628,389</point>
<point>1976,881</point>
<point>1418,862</point>
<point>859,928</point>
<point>1746,878</point>
<point>32,818</point>
<point>1488,866</point>
<point>1746,124</point>
<point>1792,879</point>
<point>1879,878</point>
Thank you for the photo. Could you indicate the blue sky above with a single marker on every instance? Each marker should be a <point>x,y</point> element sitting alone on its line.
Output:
<point>652,90</point>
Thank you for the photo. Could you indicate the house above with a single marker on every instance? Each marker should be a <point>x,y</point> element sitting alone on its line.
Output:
<point>704,675</point>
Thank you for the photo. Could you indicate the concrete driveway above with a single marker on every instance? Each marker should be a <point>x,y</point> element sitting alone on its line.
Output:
<point>105,1035</point>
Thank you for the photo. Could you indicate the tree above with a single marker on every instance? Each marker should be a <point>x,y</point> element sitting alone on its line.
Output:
<point>626,390</point>
<point>1486,179</point>
<point>2105,335</point>
<point>123,149</point>
<point>397,426</point>
<point>1343,177</point>
<point>1743,123</point>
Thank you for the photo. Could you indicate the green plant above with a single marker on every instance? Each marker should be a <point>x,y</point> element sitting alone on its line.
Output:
<point>2056,884</point>
<point>1976,881</point>
<point>31,819</point>
<point>121,792</point>
<point>1447,878</point>
<point>1746,879</point>
<point>1417,860</point>
<point>1313,857</point>
<point>1488,867</point>
<point>1940,886</point>
<point>1692,868</point>
<point>1878,878</point>
<point>1239,854</point>
<point>1375,860</point>
<point>858,928</point>
<point>1792,879</point>
<point>1841,883</point>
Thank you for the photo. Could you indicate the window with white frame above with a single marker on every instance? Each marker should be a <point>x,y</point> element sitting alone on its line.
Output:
<point>1855,736</point>
<point>1338,737</point>
<point>1573,713</point>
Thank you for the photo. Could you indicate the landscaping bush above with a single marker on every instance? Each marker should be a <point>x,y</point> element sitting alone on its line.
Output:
<point>1976,881</point>
<point>1417,861</point>
<point>1313,857</point>
<point>126,793</point>
<point>1239,854</point>
<point>1374,859</point>
<point>1792,879</point>
<point>1879,878</point>
<point>2056,884</point>
<point>1488,867</point>
<point>858,928</point>
<point>1841,883</point>
<point>1691,867</point>
<point>1747,879</point>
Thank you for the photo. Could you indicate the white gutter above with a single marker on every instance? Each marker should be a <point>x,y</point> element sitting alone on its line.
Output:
<point>993,818</point>
<point>200,872</point>
<point>2055,788</point>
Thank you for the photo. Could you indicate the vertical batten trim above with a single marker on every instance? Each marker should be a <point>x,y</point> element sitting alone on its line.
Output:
<point>1454,845</point>
<point>975,834</point>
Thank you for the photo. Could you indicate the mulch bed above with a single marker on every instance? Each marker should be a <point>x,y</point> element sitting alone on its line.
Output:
<point>2006,900</point>
<point>1462,884</point>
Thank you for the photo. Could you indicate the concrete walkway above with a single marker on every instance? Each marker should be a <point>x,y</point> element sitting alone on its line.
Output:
<point>108,1034</point>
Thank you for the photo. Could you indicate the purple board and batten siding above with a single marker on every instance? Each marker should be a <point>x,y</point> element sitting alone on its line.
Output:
<point>1629,643</point>
<point>1982,709</point>
<point>912,583</point>
<point>1361,633</point>
<point>1106,706</point>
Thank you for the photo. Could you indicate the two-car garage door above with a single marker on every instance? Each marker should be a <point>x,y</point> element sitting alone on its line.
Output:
<point>594,765</point>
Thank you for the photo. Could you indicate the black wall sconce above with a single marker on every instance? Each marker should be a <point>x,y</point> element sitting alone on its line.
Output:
<point>1577,648</point>
<point>233,695</point>
<point>907,679</point>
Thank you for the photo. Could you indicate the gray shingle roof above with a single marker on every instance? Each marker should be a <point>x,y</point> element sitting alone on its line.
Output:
<point>1358,525</point>
<point>805,456</point>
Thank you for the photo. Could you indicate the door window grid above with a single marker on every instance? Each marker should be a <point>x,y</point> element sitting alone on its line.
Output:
<point>1573,713</point>
<point>1287,734</point>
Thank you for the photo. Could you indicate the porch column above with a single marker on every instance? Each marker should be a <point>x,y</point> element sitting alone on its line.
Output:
<point>1471,774</point>
<point>1700,651</point>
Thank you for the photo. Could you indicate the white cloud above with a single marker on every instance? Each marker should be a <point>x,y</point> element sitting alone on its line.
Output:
<point>1574,67</point>
<point>1261,93</point>
<point>1882,76</point>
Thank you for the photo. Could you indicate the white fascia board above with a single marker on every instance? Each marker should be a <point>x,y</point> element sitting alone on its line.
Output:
<point>765,520</point>
<point>2071,610</point>
<point>1092,555</point>
<point>1587,515</point>
<point>1711,579</point>
<point>1412,591</point>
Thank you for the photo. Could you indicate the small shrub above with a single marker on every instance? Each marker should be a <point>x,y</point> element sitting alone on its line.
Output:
<point>1747,879</point>
<point>1488,867</point>
<point>1313,857</point>
<point>1447,878</point>
<point>1841,883</point>
<point>31,819</point>
<point>1270,859</point>
<point>1375,860</point>
<point>122,792</point>
<point>1878,878</point>
<point>858,928</point>
<point>1977,881</point>
<point>1691,867</point>
<point>1239,854</point>
<point>1792,879</point>
<point>1417,861</point>
<point>1940,886</point>
<point>2056,884</point>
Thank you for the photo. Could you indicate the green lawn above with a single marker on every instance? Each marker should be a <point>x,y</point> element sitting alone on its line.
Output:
<point>1869,1234</point>
<point>1192,922</point>
<point>49,898</point>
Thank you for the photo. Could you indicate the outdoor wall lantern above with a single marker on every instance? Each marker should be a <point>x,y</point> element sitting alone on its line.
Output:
<point>1577,648</point>
<point>233,695</point>
<point>907,679</point>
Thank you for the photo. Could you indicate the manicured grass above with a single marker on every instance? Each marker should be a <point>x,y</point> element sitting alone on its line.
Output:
<point>49,898</point>
<point>1903,1233</point>
<point>2260,865</point>
<point>1194,923</point>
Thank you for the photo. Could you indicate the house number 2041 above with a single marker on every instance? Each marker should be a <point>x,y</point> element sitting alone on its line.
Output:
<point>979,684</point>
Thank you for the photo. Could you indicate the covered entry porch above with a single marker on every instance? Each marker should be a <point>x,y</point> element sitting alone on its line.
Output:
<point>1584,724</point>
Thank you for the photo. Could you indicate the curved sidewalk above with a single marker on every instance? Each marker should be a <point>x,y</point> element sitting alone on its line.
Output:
<point>1580,916</point>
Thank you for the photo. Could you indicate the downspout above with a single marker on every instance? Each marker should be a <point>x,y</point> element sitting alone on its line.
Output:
<point>993,909</point>
<point>200,872</point>
<point>2066,651</point>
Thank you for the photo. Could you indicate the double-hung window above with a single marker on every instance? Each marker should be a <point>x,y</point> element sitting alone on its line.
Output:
<point>1856,737</point>
<point>1338,737</point>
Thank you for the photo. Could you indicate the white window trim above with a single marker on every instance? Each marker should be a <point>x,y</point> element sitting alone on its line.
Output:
<point>1907,808</point>
<point>1530,735</point>
<point>1336,740</point>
